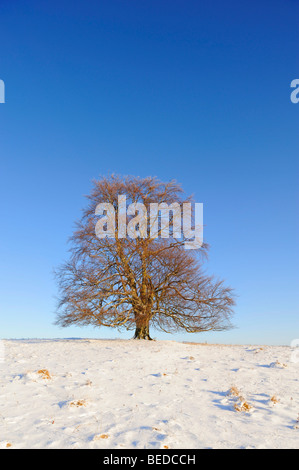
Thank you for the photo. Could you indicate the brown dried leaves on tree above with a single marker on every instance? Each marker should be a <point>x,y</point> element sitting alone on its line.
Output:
<point>133,283</point>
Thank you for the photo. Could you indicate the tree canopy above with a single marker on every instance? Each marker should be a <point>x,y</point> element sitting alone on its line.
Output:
<point>141,280</point>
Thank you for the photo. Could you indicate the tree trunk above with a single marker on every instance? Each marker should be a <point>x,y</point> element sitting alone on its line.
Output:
<point>142,330</point>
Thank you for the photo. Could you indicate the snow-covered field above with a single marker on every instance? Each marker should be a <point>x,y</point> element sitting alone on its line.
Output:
<point>137,394</point>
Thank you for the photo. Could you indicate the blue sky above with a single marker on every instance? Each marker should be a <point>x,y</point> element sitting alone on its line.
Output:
<point>197,91</point>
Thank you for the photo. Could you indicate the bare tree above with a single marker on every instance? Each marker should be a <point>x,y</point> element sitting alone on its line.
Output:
<point>132,283</point>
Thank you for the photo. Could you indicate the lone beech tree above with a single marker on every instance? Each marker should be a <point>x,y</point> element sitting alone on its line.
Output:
<point>116,280</point>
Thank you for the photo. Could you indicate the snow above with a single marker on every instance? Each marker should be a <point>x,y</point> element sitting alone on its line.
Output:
<point>139,394</point>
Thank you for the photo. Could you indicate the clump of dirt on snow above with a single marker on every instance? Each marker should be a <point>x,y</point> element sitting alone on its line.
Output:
<point>77,403</point>
<point>5,445</point>
<point>274,399</point>
<point>278,364</point>
<point>234,392</point>
<point>44,374</point>
<point>97,437</point>
<point>242,404</point>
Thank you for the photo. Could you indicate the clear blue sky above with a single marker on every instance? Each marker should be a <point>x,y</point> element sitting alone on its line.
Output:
<point>198,91</point>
